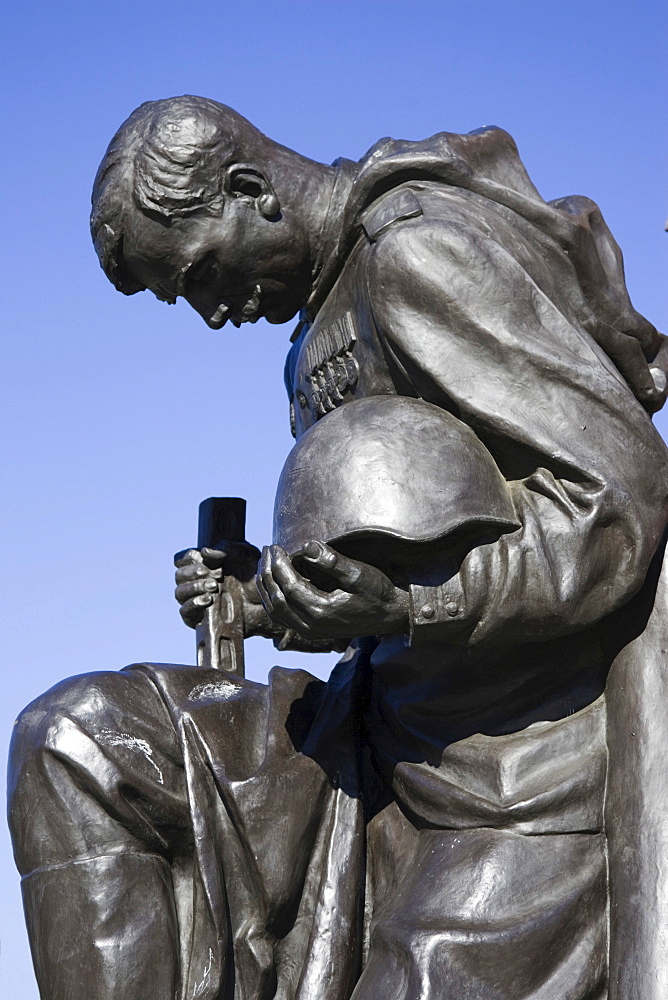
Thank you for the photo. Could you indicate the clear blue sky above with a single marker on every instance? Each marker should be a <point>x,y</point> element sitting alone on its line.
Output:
<point>120,414</point>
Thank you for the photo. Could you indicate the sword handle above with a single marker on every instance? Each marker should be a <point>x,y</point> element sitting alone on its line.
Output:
<point>220,634</point>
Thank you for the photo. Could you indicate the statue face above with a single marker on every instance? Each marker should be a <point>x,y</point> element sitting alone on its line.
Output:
<point>239,266</point>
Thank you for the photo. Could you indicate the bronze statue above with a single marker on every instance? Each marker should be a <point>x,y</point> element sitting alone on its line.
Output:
<point>475,806</point>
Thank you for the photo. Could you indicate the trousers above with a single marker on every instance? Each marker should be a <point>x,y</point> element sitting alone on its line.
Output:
<point>186,835</point>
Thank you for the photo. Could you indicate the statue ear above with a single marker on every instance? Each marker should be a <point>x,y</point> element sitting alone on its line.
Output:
<point>245,181</point>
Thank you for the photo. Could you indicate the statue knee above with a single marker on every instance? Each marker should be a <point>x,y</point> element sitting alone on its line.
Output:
<point>53,759</point>
<point>45,725</point>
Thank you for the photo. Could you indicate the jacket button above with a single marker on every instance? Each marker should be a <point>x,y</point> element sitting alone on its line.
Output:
<point>427,611</point>
<point>452,608</point>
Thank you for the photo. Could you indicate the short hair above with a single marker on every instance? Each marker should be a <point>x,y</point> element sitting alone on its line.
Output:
<point>167,158</point>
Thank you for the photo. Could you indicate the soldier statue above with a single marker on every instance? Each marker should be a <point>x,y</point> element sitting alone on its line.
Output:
<point>475,805</point>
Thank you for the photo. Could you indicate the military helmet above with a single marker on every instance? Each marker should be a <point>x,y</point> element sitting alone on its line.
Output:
<point>382,475</point>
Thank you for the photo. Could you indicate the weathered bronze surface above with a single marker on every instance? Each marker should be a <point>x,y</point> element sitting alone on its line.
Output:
<point>475,806</point>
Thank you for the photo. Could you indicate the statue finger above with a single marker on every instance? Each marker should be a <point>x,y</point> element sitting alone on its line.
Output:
<point>193,610</point>
<point>187,557</point>
<point>264,565</point>
<point>194,588</point>
<point>282,609</point>
<point>346,573</point>
<point>192,571</point>
<point>213,558</point>
<point>266,577</point>
<point>264,596</point>
<point>284,613</point>
<point>302,595</point>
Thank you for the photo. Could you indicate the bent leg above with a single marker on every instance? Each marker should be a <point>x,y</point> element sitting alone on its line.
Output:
<point>98,814</point>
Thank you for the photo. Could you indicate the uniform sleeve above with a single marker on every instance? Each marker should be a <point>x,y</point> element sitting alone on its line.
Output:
<point>460,315</point>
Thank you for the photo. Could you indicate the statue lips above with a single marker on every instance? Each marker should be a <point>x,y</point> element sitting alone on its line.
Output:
<point>386,474</point>
<point>250,312</point>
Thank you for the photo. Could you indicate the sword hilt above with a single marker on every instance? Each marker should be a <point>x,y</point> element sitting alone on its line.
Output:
<point>220,634</point>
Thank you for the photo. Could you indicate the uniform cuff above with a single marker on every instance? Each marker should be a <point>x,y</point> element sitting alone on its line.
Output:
<point>436,612</point>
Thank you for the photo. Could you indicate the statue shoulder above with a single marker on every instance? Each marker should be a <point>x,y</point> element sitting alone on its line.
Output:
<point>397,205</point>
<point>411,236</point>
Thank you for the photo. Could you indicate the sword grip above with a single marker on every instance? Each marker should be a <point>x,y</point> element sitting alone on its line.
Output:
<point>220,635</point>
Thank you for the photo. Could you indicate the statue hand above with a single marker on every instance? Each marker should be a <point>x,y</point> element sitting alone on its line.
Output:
<point>200,576</point>
<point>362,601</point>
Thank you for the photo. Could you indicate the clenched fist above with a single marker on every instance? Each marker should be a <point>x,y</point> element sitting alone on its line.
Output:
<point>200,576</point>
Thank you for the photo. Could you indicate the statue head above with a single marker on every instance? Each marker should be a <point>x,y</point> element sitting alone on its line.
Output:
<point>191,199</point>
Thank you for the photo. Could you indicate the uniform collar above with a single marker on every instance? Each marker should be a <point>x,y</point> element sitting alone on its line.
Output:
<point>333,240</point>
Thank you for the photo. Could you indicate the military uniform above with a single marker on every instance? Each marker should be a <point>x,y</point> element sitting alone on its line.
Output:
<point>335,841</point>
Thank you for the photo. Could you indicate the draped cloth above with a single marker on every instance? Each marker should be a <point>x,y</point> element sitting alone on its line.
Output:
<point>328,867</point>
